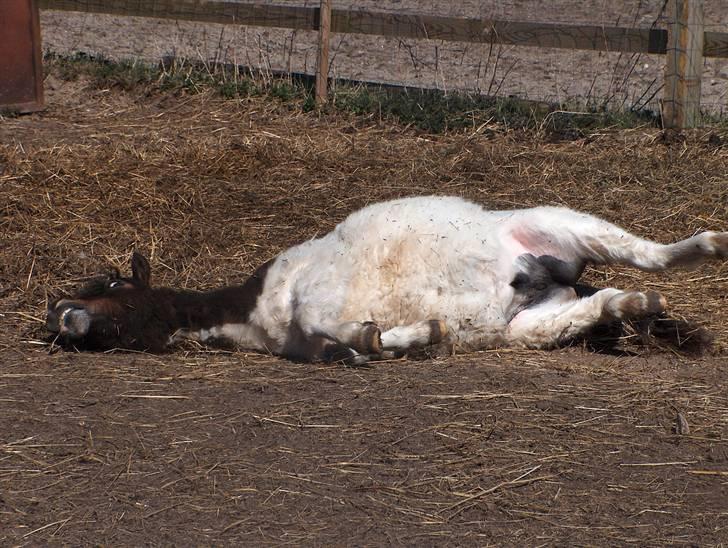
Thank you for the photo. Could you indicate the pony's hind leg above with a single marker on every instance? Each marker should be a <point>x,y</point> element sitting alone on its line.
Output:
<point>554,322</point>
<point>580,238</point>
<point>653,256</point>
<point>697,249</point>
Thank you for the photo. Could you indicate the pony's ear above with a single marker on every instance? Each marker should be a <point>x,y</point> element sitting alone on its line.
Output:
<point>140,270</point>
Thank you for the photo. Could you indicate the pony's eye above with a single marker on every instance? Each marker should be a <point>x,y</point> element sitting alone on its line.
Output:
<point>115,283</point>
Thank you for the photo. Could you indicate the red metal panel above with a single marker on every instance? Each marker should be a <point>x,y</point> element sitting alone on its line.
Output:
<point>21,73</point>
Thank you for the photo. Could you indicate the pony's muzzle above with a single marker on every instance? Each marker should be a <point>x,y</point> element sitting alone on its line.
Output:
<point>68,320</point>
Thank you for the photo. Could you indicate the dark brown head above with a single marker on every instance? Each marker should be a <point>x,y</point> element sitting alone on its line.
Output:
<point>111,312</point>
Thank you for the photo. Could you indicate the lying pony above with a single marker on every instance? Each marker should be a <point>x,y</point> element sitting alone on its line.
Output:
<point>392,277</point>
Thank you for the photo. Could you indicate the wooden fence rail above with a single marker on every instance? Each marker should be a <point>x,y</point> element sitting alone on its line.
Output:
<point>684,54</point>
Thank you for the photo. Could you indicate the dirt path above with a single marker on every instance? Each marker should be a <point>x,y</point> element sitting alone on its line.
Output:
<point>537,448</point>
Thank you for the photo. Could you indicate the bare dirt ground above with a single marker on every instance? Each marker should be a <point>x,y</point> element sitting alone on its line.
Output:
<point>202,447</point>
<point>565,76</point>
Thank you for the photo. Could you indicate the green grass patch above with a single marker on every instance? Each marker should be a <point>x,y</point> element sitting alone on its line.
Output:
<point>429,110</point>
<point>126,74</point>
<point>437,111</point>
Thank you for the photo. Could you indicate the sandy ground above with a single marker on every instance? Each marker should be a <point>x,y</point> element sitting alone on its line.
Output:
<point>542,74</point>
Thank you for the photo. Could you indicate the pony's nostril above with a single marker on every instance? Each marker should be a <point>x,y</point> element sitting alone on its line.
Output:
<point>65,315</point>
<point>68,320</point>
<point>74,322</point>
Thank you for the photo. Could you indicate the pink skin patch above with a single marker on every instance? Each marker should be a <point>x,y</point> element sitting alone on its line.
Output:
<point>531,241</point>
<point>539,244</point>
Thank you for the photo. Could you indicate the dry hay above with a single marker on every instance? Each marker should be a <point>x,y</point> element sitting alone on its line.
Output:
<point>199,446</point>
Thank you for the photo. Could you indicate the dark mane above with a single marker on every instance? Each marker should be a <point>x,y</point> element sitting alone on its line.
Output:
<point>94,287</point>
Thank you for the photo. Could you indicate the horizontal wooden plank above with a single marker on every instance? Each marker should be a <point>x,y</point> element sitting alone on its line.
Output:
<point>545,35</point>
<point>204,11</point>
<point>590,37</point>
<point>716,44</point>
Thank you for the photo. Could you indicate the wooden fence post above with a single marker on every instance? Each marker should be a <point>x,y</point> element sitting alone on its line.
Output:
<point>684,67</point>
<point>322,63</point>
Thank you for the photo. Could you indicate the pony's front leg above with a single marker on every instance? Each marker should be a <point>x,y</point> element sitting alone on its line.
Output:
<point>318,345</point>
<point>416,335</point>
<point>354,343</point>
<point>366,337</point>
